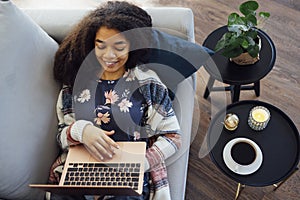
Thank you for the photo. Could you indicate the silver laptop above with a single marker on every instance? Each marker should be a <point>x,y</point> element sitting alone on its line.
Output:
<point>84,175</point>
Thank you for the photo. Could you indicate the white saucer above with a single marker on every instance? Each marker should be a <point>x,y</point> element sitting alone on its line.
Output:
<point>236,167</point>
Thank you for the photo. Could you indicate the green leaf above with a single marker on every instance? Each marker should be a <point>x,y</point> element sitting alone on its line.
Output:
<point>228,35</point>
<point>245,44</point>
<point>251,41</point>
<point>249,7</point>
<point>264,14</point>
<point>231,53</point>
<point>251,20</point>
<point>232,18</point>
<point>253,50</point>
<point>236,28</point>
<point>251,33</point>
<point>232,46</point>
<point>220,44</point>
<point>236,23</point>
<point>223,41</point>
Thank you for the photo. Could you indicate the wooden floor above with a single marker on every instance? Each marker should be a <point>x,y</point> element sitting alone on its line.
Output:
<point>281,87</point>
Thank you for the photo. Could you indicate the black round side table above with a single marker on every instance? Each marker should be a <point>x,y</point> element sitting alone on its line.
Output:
<point>279,143</point>
<point>238,77</point>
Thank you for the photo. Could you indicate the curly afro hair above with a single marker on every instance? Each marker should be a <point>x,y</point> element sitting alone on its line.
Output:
<point>119,15</point>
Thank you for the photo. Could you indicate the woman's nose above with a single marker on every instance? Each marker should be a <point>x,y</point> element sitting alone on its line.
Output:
<point>110,53</point>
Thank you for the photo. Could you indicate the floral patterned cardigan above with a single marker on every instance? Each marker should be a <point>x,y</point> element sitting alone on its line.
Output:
<point>159,122</point>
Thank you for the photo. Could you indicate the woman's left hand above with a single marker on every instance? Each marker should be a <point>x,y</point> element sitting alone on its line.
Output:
<point>98,142</point>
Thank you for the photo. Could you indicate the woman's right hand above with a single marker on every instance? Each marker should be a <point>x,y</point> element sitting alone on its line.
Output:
<point>98,143</point>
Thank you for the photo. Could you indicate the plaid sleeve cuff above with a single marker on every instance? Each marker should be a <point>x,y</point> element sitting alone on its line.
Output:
<point>77,129</point>
<point>166,146</point>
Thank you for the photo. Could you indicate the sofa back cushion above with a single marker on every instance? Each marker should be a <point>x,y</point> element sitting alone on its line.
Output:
<point>28,97</point>
<point>57,22</point>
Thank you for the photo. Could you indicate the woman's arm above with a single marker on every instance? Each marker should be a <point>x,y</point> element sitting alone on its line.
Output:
<point>160,117</point>
<point>164,147</point>
<point>73,132</point>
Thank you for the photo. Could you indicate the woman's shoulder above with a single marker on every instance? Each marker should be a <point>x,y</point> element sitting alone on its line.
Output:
<point>143,73</point>
<point>66,89</point>
<point>65,93</point>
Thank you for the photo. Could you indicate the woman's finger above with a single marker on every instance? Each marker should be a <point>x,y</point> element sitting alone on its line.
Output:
<point>109,132</point>
<point>111,143</point>
<point>104,147</point>
<point>94,152</point>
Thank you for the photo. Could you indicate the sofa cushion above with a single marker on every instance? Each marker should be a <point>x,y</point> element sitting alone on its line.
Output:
<point>175,59</point>
<point>28,97</point>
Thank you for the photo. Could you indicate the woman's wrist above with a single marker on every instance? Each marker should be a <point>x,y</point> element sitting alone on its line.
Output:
<point>165,147</point>
<point>78,128</point>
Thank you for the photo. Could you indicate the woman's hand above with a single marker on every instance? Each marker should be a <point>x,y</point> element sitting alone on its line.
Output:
<point>98,143</point>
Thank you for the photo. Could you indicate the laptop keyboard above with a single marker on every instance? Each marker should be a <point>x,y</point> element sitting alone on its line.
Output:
<point>99,174</point>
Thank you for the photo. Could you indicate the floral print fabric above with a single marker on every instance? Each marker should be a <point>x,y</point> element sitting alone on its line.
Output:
<point>116,98</point>
<point>135,106</point>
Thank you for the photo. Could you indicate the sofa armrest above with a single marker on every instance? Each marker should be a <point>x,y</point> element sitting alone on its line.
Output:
<point>178,164</point>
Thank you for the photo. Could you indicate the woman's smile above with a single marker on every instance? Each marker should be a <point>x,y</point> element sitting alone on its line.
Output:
<point>111,49</point>
<point>110,64</point>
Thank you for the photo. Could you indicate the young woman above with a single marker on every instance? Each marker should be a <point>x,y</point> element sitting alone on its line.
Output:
<point>126,102</point>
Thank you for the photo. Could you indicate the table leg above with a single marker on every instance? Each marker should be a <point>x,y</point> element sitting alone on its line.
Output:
<point>276,186</point>
<point>235,93</point>
<point>257,88</point>
<point>209,86</point>
<point>239,190</point>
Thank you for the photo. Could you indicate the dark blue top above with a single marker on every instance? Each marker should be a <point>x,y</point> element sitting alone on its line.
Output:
<point>120,109</point>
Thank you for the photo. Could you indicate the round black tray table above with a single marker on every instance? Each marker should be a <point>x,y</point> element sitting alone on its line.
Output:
<point>238,77</point>
<point>279,143</point>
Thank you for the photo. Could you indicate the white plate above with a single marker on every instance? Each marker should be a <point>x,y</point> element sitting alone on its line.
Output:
<point>236,167</point>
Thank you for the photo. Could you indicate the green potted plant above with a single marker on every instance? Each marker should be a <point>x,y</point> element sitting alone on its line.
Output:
<point>241,43</point>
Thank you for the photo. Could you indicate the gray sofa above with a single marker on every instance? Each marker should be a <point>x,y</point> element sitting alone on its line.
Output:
<point>28,92</point>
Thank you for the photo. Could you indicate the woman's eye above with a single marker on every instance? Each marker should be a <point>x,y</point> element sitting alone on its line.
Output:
<point>120,48</point>
<point>101,47</point>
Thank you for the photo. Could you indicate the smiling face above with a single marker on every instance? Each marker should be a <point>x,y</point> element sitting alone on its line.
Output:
<point>112,50</point>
